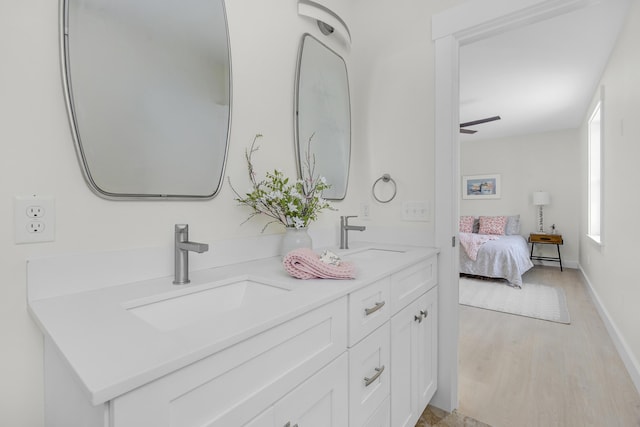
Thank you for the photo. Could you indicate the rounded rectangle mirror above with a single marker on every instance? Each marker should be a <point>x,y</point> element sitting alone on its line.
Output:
<point>323,113</point>
<point>148,91</point>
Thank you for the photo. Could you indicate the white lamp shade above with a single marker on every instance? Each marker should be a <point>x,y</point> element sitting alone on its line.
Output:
<point>541,198</point>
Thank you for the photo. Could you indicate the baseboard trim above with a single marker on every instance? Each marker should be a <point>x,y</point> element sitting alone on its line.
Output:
<point>629,360</point>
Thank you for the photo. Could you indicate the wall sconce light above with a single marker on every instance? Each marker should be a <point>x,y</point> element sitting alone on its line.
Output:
<point>329,22</point>
<point>541,198</point>
<point>325,28</point>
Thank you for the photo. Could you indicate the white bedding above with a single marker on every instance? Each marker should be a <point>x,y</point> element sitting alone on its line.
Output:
<point>506,258</point>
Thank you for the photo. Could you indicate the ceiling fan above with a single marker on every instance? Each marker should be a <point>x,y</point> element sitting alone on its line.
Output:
<point>476,122</point>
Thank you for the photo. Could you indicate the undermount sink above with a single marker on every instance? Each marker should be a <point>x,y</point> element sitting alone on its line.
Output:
<point>177,309</point>
<point>372,253</point>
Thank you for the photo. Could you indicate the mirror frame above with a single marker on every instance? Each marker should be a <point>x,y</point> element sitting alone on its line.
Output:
<point>298,152</point>
<point>71,115</point>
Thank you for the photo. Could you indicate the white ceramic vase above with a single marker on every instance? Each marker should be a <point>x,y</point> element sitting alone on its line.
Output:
<point>294,238</point>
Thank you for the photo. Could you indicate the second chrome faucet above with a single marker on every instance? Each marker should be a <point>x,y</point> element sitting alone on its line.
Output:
<point>182,248</point>
<point>345,228</point>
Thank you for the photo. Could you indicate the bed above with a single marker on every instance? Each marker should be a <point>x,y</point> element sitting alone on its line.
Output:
<point>495,255</point>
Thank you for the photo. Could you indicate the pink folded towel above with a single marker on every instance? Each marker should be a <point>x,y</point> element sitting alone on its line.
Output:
<point>304,263</point>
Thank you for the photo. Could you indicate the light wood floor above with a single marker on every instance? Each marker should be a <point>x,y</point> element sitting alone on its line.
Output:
<point>517,372</point>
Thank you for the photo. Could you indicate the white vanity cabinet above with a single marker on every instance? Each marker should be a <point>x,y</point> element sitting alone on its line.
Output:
<point>363,355</point>
<point>392,370</point>
<point>414,352</point>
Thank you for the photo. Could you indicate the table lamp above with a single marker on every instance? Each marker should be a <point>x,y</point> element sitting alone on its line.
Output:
<point>541,198</point>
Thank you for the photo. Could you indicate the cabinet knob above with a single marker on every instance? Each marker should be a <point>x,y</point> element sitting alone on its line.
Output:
<point>417,318</point>
<point>424,313</point>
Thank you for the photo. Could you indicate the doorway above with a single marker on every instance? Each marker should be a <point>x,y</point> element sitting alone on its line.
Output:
<point>451,29</point>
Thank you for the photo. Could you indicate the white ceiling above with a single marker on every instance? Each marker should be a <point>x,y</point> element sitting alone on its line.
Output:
<point>540,77</point>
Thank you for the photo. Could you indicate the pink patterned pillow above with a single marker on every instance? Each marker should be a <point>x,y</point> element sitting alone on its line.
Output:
<point>466,224</point>
<point>492,225</point>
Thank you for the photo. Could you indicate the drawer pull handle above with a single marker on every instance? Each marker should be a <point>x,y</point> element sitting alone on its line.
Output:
<point>424,313</point>
<point>418,318</point>
<point>378,306</point>
<point>288,424</point>
<point>369,381</point>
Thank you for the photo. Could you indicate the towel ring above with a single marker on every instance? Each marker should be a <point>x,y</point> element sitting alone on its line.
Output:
<point>384,178</point>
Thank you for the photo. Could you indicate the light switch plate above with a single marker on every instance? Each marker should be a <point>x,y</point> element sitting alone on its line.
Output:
<point>34,219</point>
<point>418,210</point>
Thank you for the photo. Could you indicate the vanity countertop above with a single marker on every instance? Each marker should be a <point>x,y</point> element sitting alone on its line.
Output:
<point>112,351</point>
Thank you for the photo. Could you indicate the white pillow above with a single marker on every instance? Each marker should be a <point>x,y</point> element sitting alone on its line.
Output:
<point>513,225</point>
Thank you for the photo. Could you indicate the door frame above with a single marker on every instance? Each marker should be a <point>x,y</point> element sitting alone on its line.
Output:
<point>452,28</point>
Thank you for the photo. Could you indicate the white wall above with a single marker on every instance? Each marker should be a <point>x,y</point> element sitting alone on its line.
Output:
<point>394,69</point>
<point>612,269</point>
<point>391,70</point>
<point>539,162</point>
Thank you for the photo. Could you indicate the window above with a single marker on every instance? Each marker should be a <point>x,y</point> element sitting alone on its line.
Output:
<point>594,230</point>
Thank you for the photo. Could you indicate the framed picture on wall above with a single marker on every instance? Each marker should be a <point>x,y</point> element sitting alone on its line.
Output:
<point>481,186</point>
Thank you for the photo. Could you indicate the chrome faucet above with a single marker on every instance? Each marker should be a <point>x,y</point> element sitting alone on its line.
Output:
<point>344,230</point>
<point>182,248</point>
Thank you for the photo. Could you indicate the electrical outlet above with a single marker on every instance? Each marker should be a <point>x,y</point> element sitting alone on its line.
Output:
<point>35,211</point>
<point>35,227</point>
<point>34,219</point>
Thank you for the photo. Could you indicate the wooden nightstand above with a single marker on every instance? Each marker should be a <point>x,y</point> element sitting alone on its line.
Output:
<point>546,239</point>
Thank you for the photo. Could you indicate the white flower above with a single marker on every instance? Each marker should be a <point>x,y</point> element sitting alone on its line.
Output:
<point>295,193</point>
<point>323,180</point>
<point>274,195</point>
<point>292,207</point>
<point>297,222</point>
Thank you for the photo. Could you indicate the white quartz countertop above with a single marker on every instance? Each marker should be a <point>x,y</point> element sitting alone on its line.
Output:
<point>112,351</point>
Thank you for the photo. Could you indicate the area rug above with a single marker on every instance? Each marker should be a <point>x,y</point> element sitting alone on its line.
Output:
<point>533,300</point>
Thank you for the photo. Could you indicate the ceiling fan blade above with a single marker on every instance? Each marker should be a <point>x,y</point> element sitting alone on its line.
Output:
<point>467,131</point>
<point>478,122</point>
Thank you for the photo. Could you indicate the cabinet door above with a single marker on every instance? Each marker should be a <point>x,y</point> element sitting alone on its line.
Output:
<point>414,357</point>
<point>321,401</point>
<point>427,347</point>
<point>404,330</point>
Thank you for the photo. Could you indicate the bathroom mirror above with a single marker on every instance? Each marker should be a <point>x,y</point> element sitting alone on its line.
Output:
<point>323,111</point>
<point>148,92</point>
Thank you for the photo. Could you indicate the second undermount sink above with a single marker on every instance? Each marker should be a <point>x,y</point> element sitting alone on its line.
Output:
<point>372,253</point>
<point>177,309</point>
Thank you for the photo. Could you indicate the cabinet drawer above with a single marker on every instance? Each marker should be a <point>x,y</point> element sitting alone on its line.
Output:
<point>415,280</point>
<point>238,383</point>
<point>555,239</point>
<point>382,416</point>
<point>369,375</point>
<point>368,309</point>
